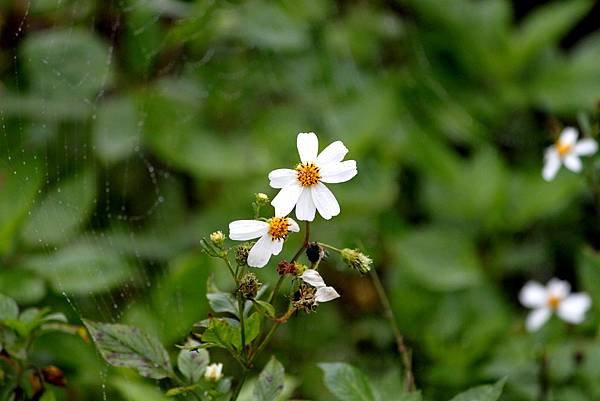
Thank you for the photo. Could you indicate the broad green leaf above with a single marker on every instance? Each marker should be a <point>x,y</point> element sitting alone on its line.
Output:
<point>270,382</point>
<point>116,129</point>
<point>137,391</point>
<point>221,333</point>
<point>9,309</point>
<point>127,346</point>
<point>252,325</point>
<point>62,212</point>
<point>25,287</point>
<point>221,302</point>
<point>264,307</point>
<point>81,268</point>
<point>66,63</point>
<point>192,363</point>
<point>440,259</point>
<point>490,392</point>
<point>346,382</point>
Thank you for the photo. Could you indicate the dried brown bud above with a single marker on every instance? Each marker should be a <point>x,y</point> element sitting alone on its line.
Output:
<point>314,252</point>
<point>241,253</point>
<point>305,299</point>
<point>54,375</point>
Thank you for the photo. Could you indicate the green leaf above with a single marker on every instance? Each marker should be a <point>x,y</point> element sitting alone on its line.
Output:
<point>192,363</point>
<point>221,333</point>
<point>9,309</point>
<point>62,212</point>
<point>116,129</point>
<point>589,273</point>
<point>270,382</point>
<point>252,326</point>
<point>490,392</point>
<point>222,302</point>
<point>136,391</point>
<point>346,382</point>
<point>264,307</point>
<point>23,286</point>
<point>127,346</point>
<point>66,63</point>
<point>81,269</point>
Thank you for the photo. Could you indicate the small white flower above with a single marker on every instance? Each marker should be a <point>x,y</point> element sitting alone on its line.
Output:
<point>271,234</point>
<point>567,151</point>
<point>303,187</point>
<point>555,297</point>
<point>324,293</point>
<point>214,372</point>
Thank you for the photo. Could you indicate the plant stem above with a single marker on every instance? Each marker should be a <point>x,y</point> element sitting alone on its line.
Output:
<point>226,259</point>
<point>543,381</point>
<point>405,353</point>
<point>277,286</point>
<point>305,243</point>
<point>333,248</point>
<point>242,328</point>
<point>239,386</point>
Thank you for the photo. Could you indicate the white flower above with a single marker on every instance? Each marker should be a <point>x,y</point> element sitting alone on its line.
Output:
<point>214,372</point>
<point>555,297</point>
<point>324,293</point>
<point>567,151</point>
<point>270,234</point>
<point>303,187</point>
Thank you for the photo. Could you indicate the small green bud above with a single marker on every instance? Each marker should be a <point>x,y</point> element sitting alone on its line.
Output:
<point>217,238</point>
<point>356,260</point>
<point>261,199</point>
<point>241,253</point>
<point>249,286</point>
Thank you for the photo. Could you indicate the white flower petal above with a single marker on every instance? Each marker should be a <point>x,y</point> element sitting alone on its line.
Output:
<point>333,153</point>
<point>261,252</point>
<point>338,172</point>
<point>242,230</point>
<point>277,246</point>
<point>558,288</point>
<point>551,164</point>
<point>533,295</point>
<point>325,294</point>
<point>568,136</point>
<point>308,146</point>
<point>286,199</point>
<point>281,177</point>
<point>293,226</point>
<point>586,147</point>
<point>325,201</point>
<point>305,208</point>
<point>574,307</point>
<point>573,163</point>
<point>537,318</point>
<point>312,277</point>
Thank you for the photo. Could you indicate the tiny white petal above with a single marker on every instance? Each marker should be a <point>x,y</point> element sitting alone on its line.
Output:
<point>294,227</point>
<point>586,147</point>
<point>312,277</point>
<point>537,318</point>
<point>286,199</point>
<point>242,230</point>
<point>333,153</point>
<point>277,246</point>
<point>573,163</point>
<point>305,207</point>
<point>281,177</point>
<point>325,201</point>
<point>568,136</point>
<point>533,295</point>
<point>558,288</point>
<point>338,172</point>
<point>325,294</point>
<point>308,146</point>
<point>261,252</point>
<point>551,164</point>
<point>574,307</point>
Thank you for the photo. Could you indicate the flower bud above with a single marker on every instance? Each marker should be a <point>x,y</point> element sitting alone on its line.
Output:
<point>314,252</point>
<point>54,375</point>
<point>294,268</point>
<point>261,199</point>
<point>214,372</point>
<point>217,238</point>
<point>305,299</point>
<point>241,253</point>
<point>249,286</point>
<point>356,260</point>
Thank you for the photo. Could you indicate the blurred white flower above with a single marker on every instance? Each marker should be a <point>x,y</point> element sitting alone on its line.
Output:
<point>214,372</point>
<point>271,234</point>
<point>567,151</point>
<point>324,293</point>
<point>555,297</point>
<point>304,186</point>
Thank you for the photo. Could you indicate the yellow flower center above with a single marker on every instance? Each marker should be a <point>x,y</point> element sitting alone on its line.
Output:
<point>278,227</point>
<point>307,174</point>
<point>563,148</point>
<point>553,301</point>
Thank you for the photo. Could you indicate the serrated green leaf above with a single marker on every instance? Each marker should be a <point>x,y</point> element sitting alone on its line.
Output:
<point>490,392</point>
<point>346,382</point>
<point>127,346</point>
<point>270,382</point>
<point>192,363</point>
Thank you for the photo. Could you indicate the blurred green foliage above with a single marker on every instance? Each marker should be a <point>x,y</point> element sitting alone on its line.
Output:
<point>131,128</point>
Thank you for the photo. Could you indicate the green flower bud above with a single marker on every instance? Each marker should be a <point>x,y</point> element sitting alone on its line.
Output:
<point>261,199</point>
<point>356,260</point>
<point>217,238</point>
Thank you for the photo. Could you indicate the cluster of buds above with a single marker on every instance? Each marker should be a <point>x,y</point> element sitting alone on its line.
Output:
<point>356,260</point>
<point>249,286</point>
<point>215,245</point>
<point>292,268</point>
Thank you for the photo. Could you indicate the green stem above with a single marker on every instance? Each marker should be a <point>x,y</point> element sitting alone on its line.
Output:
<point>333,248</point>
<point>277,287</point>
<point>239,386</point>
<point>305,243</point>
<point>543,381</point>
<point>405,353</point>
<point>242,326</point>
<point>226,259</point>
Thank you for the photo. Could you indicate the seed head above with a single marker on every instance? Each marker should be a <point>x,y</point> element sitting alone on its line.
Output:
<point>241,253</point>
<point>357,260</point>
<point>305,299</point>
<point>249,286</point>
